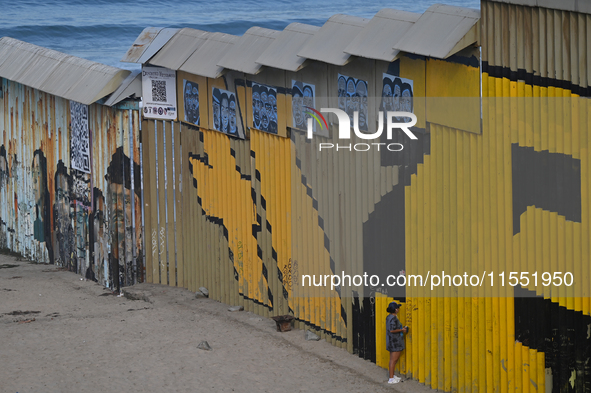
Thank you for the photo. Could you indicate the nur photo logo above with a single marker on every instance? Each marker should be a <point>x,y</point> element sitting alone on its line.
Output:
<point>394,120</point>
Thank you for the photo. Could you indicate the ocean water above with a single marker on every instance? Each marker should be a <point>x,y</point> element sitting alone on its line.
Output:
<point>103,30</point>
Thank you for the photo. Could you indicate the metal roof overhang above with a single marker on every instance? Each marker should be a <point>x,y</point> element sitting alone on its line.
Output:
<point>441,31</point>
<point>147,44</point>
<point>329,43</point>
<point>244,54</point>
<point>204,61</point>
<point>130,87</point>
<point>376,38</point>
<point>179,48</point>
<point>57,73</point>
<point>283,52</point>
<point>580,6</point>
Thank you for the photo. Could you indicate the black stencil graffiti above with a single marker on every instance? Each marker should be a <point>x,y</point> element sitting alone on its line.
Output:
<point>302,97</point>
<point>191,99</point>
<point>290,275</point>
<point>81,187</point>
<point>159,91</point>
<point>264,108</point>
<point>62,219</point>
<point>42,210</point>
<point>352,95</point>
<point>397,94</point>
<point>224,111</point>
<point>80,145</point>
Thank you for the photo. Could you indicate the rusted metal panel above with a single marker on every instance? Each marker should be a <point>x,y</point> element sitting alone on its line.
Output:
<point>56,73</point>
<point>53,213</point>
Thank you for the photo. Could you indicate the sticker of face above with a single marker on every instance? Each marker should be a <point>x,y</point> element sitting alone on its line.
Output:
<point>350,104</point>
<point>406,98</point>
<point>191,99</point>
<point>232,110</point>
<point>256,106</point>
<point>302,98</point>
<point>297,102</point>
<point>386,96</point>
<point>342,93</point>
<point>308,99</point>
<point>272,110</point>
<point>396,96</point>
<point>264,111</point>
<point>216,109</point>
<point>225,113</point>
<point>361,95</point>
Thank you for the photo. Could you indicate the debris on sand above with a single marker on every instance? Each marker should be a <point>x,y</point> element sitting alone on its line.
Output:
<point>205,346</point>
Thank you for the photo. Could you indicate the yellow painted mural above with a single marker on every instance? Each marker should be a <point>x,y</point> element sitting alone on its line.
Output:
<point>495,189</point>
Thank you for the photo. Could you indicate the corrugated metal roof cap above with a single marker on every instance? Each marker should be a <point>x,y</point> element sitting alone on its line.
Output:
<point>283,52</point>
<point>581,6</point>
<point>440,31</point>
<point>147,44</point>
<point>130,87</point>
<point>57,73</point>
<point>376,38</point>
<point>204,61</point>
<point>179,48</point>
<point>329,43</point>
<point>243,56</point>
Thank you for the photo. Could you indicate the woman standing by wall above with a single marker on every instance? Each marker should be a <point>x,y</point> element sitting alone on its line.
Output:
<point>394,338</point>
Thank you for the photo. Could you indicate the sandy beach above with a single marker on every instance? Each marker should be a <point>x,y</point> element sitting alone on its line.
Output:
<point>63,334</point>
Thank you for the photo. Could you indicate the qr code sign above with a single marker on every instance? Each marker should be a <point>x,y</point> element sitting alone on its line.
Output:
<point>79,145</point>
<point>159,91</point>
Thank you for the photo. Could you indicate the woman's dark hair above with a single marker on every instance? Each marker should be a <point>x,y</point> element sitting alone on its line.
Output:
<point>392,307</point>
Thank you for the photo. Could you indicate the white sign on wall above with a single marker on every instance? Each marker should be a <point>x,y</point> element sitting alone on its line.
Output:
<point>159,93</point>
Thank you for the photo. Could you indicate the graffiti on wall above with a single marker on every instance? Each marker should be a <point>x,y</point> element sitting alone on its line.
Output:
<point>303,95</point>
<point>120,201</point>
<point>42,211</point>
<point>54,196</point>
<point>264,108</point>
<point>4,179</point>
<point>352,95</point>
<point>81,206</point>
<point>397,94</point>
<point>191,101</point>
<point>99,269</point>
<point>224,111</point>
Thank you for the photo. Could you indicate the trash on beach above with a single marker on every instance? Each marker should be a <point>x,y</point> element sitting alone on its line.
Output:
<point>205,346</point>
<point>283,322</point>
